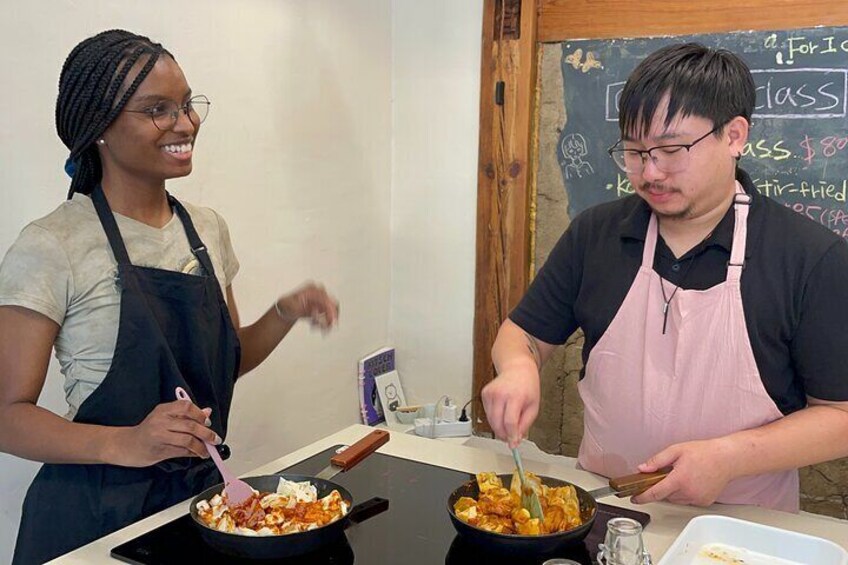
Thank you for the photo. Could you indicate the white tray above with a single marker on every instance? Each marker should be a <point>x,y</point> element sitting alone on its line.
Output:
<point>737,541</point>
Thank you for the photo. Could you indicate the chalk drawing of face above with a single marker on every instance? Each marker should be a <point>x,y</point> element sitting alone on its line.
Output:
<point>574,147</point>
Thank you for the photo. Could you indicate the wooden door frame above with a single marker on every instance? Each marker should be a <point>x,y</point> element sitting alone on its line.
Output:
<point>512,31</point>
<point>507,89</point>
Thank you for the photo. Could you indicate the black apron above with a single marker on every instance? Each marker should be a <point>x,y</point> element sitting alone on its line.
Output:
<point>175,330</point>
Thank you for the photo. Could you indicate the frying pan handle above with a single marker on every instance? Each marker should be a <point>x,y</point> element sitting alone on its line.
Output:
<point>631,485</point>
<point>368,509</point>
<point>351,456</point>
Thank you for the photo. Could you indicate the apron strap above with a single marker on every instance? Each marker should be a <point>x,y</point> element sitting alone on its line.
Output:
<point>197,246</point>
<point>110,226</point>
<point>741,205</point>
<point>650,243</point>
<point>116,242</point>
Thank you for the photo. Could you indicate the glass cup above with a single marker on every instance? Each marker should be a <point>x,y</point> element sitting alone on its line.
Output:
<point>623,543</point>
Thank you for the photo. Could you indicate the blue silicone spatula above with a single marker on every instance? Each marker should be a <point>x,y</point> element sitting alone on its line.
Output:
<point>529,497</point>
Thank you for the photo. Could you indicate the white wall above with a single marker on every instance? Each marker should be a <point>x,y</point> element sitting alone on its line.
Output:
<point>341,132</point>
<point>435,114</point>
<point>296,155</point>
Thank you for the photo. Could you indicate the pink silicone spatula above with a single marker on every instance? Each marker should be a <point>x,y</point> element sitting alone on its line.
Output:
<point>238,492</point>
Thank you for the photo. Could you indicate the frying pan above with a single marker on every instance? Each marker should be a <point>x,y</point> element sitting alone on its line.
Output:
<point>548,543</point>
<point>290,545</point>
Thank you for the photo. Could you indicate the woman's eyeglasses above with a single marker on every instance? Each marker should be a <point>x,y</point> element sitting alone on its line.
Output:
<point>165,113</point>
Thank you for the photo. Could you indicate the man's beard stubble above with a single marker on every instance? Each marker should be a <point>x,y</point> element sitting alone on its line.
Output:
<point>682,215</point>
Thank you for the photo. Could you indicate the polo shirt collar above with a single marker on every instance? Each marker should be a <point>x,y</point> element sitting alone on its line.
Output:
<point>635,224</point>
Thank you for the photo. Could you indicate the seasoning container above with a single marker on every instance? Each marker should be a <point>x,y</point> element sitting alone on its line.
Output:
<point>623,544</point>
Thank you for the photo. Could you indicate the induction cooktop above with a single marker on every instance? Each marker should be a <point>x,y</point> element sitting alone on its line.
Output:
<point>412,529</point>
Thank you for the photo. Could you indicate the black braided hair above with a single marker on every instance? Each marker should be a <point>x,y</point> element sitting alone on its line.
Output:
<point>91,96</point>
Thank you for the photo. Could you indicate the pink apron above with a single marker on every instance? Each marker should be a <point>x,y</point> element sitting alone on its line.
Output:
<point>644,391</point>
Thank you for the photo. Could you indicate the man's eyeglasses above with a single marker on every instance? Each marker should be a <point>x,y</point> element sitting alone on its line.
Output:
<point>666,158</point>
<point>165,113</point>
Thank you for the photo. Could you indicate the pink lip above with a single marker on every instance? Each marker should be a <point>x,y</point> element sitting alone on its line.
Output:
<point>658,196</point>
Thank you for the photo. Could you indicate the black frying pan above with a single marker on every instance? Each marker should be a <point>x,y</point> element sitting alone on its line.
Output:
<point>622,487</point>
<point>277,547</point>
<point>289,545</point>
<point>514,543</point>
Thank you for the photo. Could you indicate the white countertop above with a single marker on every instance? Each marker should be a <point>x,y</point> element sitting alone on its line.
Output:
<point>667,520</point>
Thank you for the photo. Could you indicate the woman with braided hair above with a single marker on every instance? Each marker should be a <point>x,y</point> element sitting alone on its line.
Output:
<point>133,290</point>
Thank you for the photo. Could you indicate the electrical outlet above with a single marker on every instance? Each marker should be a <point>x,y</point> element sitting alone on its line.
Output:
<point>424,427</point>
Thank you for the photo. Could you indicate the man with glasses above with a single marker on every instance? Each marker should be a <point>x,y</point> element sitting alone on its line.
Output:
<point>713,316</point>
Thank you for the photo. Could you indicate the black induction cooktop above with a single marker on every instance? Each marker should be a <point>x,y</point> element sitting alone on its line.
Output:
<point>414,528</point>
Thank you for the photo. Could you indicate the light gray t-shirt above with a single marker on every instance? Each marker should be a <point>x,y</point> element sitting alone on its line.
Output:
<point>62,266</point>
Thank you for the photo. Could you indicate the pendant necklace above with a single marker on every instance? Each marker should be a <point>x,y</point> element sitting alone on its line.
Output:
<point>667,301</point>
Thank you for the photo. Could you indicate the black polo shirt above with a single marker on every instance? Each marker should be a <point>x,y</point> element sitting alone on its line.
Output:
<point>794,288</point>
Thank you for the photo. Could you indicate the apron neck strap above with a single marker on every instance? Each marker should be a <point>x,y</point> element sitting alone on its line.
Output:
<point>650,242</point>
<point>741,205</point>
<point>197,246</point>
<point>116,242</point>
<point>110,226</point>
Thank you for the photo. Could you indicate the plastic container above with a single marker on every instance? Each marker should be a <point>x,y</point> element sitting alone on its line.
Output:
<point>406,416</point>
<point>427,410</point>
<point>729,539</point>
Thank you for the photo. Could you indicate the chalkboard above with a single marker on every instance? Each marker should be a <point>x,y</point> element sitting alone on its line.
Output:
<point>798,145</point>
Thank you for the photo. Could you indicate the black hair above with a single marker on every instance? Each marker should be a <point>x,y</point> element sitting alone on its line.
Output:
<point>91,95</point>
<point>710,83</point>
